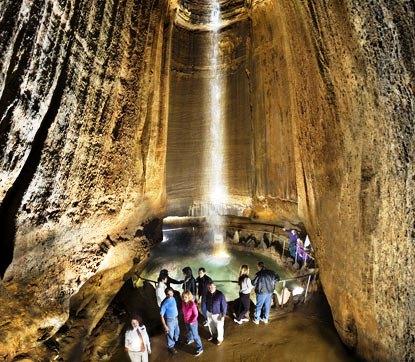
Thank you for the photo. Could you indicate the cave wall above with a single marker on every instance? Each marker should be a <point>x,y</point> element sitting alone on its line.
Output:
<point>327,85</point>
<point>190,113</point>
<point>343,71</point>
<point>82,86</point>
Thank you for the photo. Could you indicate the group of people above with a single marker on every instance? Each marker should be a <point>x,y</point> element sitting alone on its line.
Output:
<point>201,291</point>
<point>298,249</point>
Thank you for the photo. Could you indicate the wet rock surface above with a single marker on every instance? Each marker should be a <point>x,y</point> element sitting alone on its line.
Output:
<point>321,97</point>
<point>81,87</point>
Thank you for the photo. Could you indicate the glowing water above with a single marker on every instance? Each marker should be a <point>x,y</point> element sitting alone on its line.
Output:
<point>182,250</point>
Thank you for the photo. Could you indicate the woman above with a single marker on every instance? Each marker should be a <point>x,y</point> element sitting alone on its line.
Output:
<point>160,289</point>
<point>190,314</point>
<point>245,288</point>
<point>189,282</point>
<point>137,343</point>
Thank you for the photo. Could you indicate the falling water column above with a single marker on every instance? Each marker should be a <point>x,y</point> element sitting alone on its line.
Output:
<point>217,193</point>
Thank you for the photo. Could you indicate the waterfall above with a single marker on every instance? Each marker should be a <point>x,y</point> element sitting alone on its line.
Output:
<point>215,183</point>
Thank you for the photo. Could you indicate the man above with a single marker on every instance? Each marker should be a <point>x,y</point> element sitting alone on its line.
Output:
<point>164,273</point>
<point>216,311</point>
<point>264,283</point>
<point>202,288</point>
<point>137,343</point>
<point>169,314</point>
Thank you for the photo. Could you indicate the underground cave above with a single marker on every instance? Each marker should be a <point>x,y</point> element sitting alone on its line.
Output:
<point>137,136</point>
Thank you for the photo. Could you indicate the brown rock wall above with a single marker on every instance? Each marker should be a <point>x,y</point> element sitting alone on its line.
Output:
<point>320,129</point>
<point>82,150</point>
<point>349,91</point>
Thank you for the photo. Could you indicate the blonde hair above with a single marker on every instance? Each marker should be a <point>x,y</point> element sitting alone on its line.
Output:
<point>244,270</point>
<point>188,294</point>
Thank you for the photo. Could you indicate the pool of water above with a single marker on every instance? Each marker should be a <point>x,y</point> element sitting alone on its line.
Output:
<point>180,249</point>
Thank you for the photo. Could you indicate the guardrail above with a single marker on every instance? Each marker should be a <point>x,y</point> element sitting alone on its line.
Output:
<point>274,237</point>
<point>309,276</point>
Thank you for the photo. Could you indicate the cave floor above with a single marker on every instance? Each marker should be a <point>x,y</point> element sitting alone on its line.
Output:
<point>306,334</point>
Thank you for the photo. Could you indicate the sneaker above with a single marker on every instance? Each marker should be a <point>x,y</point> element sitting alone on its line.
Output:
<point>198,353</point>
<point>264,321</point>
<point>236,321</point>
<point>173,350</point>
<point>219,343</point>
<point>210,339</point>
<point>190,342</point>
<point>256,321</point>
<point>244,320</point>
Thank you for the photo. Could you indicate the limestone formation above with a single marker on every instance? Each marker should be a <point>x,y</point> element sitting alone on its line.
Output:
<point>102,113</point>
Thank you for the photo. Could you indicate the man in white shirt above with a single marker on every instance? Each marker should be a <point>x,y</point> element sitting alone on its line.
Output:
<point>137,343</point>
<point>160,289</point>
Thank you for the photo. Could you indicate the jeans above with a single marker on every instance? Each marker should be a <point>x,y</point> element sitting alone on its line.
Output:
<point>245,303</point>
<point>138,356</point>
<point>173,334</point>
<point>263,304</point>
<point>216,325</point>
<point>193,335</point>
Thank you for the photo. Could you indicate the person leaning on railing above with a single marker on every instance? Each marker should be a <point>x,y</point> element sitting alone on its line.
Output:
<point>264,283</point>
<point>165,273</point>
<point>202,288</point>
<point>243,302</point>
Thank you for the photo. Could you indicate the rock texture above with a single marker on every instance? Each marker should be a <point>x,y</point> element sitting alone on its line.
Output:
<point>83,133</point>
<point>190,114</point>
<point>331,113</point>
<point>343,77</point>
<point>320,129</point>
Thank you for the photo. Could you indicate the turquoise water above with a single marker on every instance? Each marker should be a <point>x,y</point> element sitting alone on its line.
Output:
<point>180,251</point>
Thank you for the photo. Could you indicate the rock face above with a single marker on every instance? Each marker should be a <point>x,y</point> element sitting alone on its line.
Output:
<point>348,90</point>
<point>320,129</point>
<point>83,134</point>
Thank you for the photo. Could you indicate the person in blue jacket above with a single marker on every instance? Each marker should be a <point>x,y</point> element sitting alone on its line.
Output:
<point>216,306</point>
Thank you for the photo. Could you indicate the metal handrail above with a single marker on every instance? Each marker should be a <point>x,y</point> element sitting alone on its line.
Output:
<point>257,231</point>
<point>272,239</point>
<point>283,281</point>
<point>235,281</point>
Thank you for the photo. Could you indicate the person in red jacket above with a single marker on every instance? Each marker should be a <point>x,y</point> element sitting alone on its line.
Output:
<point>190,314</point>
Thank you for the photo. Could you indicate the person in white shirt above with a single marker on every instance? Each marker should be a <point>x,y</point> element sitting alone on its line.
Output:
<point>160,289</point>
<point>245,288</point>
<point>137,343</point>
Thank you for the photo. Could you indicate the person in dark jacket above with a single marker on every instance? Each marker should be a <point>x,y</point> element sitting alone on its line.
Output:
<point>216,306</point>
<point>202,288</point>
<point>189,282</point>
<point>164,273</point>
<point>264,283</point>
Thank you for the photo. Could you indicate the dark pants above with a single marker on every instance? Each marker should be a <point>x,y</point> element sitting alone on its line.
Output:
<point>203,307</point>
<point>244,304</point>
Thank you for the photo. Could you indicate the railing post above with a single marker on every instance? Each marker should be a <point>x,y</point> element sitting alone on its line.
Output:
<point>282,297</point>
<point>296,253</point>
<point>283,248</point>
<point>306,289</point>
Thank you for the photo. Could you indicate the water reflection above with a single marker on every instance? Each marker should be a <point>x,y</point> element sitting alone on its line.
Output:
<point>181,249</point>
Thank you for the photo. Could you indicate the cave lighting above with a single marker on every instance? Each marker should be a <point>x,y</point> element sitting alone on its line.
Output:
<point>297,290</point>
